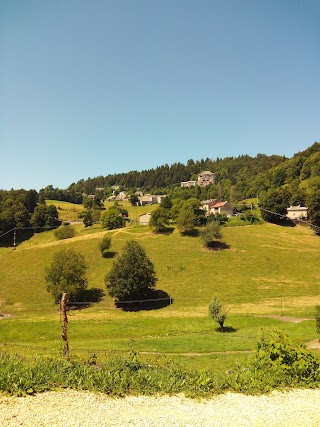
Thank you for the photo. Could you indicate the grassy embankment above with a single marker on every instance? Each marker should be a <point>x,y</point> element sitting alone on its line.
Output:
<point>267,270</point>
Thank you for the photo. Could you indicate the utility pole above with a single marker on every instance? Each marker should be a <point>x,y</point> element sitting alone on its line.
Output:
<point>14,239</point>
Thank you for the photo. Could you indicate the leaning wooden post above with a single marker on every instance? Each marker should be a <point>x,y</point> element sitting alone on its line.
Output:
<point>63,308</point>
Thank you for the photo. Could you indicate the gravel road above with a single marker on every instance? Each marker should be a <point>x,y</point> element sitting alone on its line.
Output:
<point>75,409</point>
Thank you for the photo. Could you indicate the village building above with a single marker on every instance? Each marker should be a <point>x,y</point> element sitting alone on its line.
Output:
<point>188,184</point>
<point>151,199</point>
<point>297,212</point>
<point>206,178</point>
<point>216,206</point>
<point>144,219</point>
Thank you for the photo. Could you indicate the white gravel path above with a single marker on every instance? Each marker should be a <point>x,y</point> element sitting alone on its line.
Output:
<point>75,409</point>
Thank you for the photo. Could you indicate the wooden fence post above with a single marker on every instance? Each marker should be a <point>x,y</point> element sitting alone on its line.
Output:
<point>63,308</point>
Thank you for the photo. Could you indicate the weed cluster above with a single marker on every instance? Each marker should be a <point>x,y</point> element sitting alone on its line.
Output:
<point>277,364</point>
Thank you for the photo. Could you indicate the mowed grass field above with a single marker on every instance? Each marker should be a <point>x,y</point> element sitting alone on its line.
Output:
<point>267,270</point>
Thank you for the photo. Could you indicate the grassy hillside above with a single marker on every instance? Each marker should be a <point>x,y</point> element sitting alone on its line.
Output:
<point>267,270</point>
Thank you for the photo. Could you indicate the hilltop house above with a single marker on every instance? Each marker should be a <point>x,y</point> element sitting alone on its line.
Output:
<point>215,206</point>
<point>206,178</point>
<point>297,212</point>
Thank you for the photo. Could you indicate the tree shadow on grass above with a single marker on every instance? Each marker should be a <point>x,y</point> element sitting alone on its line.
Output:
<point>226,329</point>
<point>192,233</point>
<point>217,246</point>
<point>284,222</point>
<point>153,300</point>
<point>167,231</point>
<point>109,254</point>
<point>86,298</point>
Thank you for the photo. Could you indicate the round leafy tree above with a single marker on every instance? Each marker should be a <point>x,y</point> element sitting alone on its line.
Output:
<point>132,274</point>
<point>113,218</point>
<point>66,273</point>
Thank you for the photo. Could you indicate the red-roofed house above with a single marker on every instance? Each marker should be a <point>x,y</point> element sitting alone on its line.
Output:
<point>215,206</point>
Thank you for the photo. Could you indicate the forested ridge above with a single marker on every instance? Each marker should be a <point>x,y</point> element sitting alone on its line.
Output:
<point>276,180</point>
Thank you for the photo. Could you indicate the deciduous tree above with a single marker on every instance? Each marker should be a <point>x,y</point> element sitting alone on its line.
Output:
<point>217,311</point>
<point>132,274</point>
<point>66,273</point>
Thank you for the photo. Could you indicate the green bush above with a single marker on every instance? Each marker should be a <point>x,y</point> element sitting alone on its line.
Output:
<point>105,245</point>
<point>64,232</point>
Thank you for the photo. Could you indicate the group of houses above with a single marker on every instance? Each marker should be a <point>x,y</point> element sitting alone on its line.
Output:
<point>212,206</point>
<point>204,178</point>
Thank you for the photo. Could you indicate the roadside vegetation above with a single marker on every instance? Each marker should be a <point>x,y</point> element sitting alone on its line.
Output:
<point>276,364</point>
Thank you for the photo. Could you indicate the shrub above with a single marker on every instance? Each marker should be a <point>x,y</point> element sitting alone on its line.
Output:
<point>211,233</point>
<point>64,232</point>
<point>275,350</point>
<point>105,244</point>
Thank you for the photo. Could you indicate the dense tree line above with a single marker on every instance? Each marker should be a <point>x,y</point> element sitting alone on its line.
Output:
<point>69,195</point>
<point>229,172</point>
<point>20,208</point>
<point>16,208</point>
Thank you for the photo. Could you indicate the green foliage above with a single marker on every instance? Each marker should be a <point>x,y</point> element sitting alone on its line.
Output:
<point>113,218</point>
<point>134,199</point>
<point>87,218</point>
<point>66,273</point>
<point>222,219</point>
<point>16,208</point>
<point>166,203</point>
<point>187,220</point>
<point>313,203</point>
<point>105,245</point>
<point>275,350</point>
<point>44,216</point>
<point>217,311</point>
<point>277,364</point>
<point>250,217</point>
<point>211,233</point>
<point>132,274</point>
<point>274,204</point>
<point>65,231</point>
<point>159,220</point>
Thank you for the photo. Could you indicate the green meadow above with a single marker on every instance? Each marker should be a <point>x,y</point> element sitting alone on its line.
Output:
<point>266,274</point>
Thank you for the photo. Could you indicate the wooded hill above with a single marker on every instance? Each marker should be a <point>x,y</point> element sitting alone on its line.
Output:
<point>237,178</point>
<point>277,180</point>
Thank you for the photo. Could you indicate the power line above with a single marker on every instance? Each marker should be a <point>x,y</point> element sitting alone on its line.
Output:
<point>282,216</point>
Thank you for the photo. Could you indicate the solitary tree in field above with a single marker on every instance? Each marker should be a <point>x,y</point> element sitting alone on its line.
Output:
<point>132,274</point>
<point>105,244</point>
<point>217,311</point>
<point>159,220</point>
<point>186,221</point>
<point>66,273</point>
<point>211,234</point>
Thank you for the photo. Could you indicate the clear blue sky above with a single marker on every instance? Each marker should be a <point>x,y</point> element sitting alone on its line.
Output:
<point>93,87</point>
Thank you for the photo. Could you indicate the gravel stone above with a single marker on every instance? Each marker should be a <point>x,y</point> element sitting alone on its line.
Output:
<point>74,409</point>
